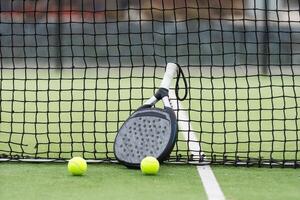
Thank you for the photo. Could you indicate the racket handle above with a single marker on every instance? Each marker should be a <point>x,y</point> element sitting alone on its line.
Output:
<point>169,74</point>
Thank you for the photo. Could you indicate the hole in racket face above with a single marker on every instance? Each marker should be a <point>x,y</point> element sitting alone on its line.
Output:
<point>152,136</point>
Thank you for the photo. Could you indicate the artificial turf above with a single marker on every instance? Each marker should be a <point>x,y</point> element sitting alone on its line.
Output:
<point>102,181</point>
<point>242,183</point>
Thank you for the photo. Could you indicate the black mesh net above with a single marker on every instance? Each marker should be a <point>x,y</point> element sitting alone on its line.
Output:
<point>72,71</point>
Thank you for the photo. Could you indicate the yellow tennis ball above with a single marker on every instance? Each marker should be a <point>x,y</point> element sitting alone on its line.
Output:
<point>149,165</point>
<point>77,166</point>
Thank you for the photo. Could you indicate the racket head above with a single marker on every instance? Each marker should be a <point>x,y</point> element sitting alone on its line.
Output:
<point>147,132</point>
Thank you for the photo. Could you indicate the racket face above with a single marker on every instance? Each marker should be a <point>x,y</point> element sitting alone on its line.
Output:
<point>148,132</point>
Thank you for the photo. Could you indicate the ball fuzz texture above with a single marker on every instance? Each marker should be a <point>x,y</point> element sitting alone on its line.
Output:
<point>149,165</point>
<point>77,166</point>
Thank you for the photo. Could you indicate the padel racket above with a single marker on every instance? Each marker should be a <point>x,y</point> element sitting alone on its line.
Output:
<point>149,131</point>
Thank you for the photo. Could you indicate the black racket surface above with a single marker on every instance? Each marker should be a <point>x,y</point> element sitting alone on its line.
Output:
<point>148,132</point>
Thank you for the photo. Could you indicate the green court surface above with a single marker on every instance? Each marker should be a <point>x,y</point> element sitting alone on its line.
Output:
<point>102,181</point>
<point>110,181</point>
<point>239,183</point>
<point>52,114</point>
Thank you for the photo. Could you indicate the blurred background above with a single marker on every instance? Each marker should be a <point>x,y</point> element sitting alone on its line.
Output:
<point>76,10</point>
<point>93,33</point>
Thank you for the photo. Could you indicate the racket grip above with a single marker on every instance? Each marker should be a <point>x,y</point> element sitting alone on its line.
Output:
<point>169,74</point>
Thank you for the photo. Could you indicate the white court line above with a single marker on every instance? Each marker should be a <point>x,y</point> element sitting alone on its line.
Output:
<point>209,181</point>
